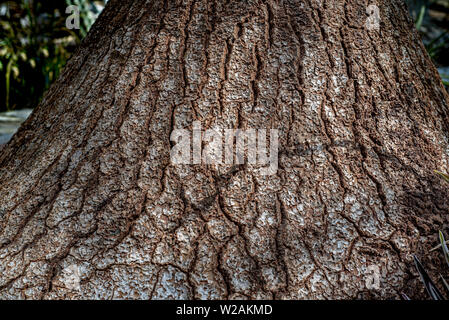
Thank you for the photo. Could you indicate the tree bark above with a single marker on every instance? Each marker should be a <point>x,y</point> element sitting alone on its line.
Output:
<point>87,183</point>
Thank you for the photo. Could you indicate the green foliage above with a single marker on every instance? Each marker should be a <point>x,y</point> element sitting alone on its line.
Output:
<point>34,47</point>
<point>446,285</point>
<point>432,20</point>
<point>443,175</point>
<point>444,247</point>
<point>420,18</point>
<point>430,286</point>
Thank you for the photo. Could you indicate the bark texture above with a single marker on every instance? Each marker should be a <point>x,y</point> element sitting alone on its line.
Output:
<point>87,183</point>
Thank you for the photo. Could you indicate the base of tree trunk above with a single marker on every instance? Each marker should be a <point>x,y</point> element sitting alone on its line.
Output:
<point>92,207</point>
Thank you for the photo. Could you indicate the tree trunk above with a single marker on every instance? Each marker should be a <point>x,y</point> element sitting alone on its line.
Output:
<point>89,192</point>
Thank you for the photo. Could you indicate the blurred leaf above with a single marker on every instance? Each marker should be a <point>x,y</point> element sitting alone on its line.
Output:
<point>45,52</point>
<point>438,246</point>
<point>434,41</point>
<point>420,18</point>
<point>8,82</point>
<point>23,56</point>
<point>433,291</point>
<point>446,285</point>
<point>15,72</point>
<point>405,297</point>
<point>443,175</point>
<point>5,25</point>
<point>444,246</point>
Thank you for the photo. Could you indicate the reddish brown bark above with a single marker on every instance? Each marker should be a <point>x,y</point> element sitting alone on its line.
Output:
<point>87,181</point>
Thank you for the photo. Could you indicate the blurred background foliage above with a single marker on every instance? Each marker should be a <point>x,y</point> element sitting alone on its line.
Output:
<point>432,21</point>
<point>35,43</point>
